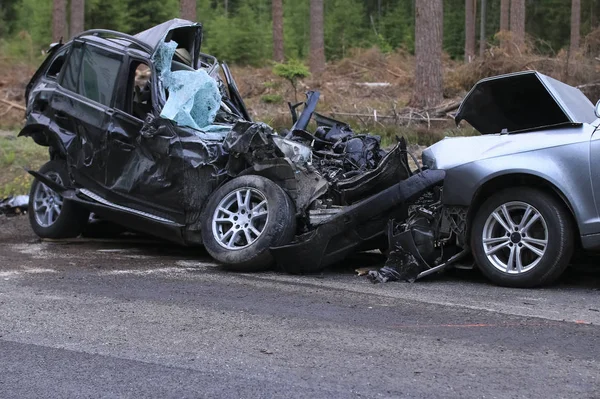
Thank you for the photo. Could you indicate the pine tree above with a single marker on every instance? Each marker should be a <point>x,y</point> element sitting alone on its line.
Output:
<point>428,88</point>
<point>575,26</point>
<point>482,35</point>
<point>469,30</point>
<point>76,24</point>
<point>107,15</point>
<point>504,21</point>
<point>278,46</point>
<point>317,42</point>
<point>59,19</point>
<point>142,16</point>
<point>344,27</point>
<point>188,9</point>
<point>517,22</point>
<point>297,28</point>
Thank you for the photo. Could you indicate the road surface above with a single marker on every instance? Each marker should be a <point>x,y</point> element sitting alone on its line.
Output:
<point>135,318</point>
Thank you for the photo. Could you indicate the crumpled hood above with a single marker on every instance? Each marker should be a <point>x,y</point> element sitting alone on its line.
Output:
<point>523,101</point>
<point>455,151</point>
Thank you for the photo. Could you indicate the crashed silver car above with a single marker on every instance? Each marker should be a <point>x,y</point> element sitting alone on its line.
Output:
<point>524,194</point>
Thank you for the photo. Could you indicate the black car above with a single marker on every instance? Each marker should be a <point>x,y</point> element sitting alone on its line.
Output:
<point>148,132</point>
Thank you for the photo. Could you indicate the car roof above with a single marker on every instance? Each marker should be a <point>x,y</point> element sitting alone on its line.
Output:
<point>115,40</point>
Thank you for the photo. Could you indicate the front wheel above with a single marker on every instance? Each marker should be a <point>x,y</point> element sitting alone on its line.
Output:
<point>522,237</point>
<point>245,218</point>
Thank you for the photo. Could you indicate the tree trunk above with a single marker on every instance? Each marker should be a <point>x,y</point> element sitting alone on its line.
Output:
<point>59,19</point>
<point>504,13</point>
<point>504,24</point>
<point>469,30</point>
<point>429,24</point>
<point>575,26</point>
<point>317,41</point>
<point>482,35</point>
<point>278,50</point>
<point>517,22</point>
<point>77,17</point>
<point>187,9</point>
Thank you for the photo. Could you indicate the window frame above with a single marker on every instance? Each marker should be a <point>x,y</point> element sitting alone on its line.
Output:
<point>83,45</point>
<point>128,81</point>
<point>61,77</point>
<point>65,49</point>
<point>115,87</point>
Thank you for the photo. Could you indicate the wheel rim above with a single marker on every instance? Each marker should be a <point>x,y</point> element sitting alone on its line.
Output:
<point>240,218</point>
<point>515,237</point>
<point>47,203</point>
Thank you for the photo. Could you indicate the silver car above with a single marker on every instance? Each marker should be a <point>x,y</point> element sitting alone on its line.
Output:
<point>524,194</point>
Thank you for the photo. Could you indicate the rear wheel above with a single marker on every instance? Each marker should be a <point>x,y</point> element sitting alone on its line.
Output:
<point>522,237</point>
<point>245,218</point>
<point>50,215</point>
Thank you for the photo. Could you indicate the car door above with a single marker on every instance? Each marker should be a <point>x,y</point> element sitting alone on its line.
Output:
<point>143,172</point>
<point>82,105</point>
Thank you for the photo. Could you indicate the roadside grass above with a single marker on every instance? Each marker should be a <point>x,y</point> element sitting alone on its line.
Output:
<point>16,155</point>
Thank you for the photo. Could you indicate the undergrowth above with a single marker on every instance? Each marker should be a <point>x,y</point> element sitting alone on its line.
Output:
<point>16,155</point>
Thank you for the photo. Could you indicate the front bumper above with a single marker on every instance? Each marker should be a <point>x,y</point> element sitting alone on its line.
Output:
<point>357,224</point>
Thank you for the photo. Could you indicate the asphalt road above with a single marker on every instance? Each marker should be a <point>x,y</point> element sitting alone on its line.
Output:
<point>93,318</point>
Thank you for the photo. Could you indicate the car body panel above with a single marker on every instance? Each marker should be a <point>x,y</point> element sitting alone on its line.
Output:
<point>185,32</point>
<point>523,101</point>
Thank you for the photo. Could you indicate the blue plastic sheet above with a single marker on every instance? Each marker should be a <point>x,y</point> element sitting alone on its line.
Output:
<point>194,96</point>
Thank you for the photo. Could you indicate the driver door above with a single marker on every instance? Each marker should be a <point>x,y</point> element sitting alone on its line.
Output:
<point>143,172</point>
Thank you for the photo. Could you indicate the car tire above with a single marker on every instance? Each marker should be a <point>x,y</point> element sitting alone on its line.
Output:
<point>50,215</point>
<point>535,251</point>
<point>239,232</point>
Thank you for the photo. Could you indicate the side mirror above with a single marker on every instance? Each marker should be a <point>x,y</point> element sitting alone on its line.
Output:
<point>597,109</point>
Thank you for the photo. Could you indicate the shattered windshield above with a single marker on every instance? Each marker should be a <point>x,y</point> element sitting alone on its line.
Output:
<point>192,96</point>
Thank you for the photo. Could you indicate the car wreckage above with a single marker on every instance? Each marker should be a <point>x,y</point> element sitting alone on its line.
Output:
<point>148,132</point>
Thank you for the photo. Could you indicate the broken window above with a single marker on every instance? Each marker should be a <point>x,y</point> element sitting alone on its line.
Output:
<point>57,64</point>
<point>193,97</point>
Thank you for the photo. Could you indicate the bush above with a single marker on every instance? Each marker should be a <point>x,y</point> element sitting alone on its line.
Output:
<point>292,71</point>
<point>271,99</point>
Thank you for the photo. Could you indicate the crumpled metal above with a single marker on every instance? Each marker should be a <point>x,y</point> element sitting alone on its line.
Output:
<point>194,96</point>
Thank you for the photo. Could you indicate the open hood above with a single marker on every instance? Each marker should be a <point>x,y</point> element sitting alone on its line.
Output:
<point>523,101</point>
<point>187,34</point>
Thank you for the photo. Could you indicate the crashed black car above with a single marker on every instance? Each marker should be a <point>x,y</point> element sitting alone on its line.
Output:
<point>148,132</point>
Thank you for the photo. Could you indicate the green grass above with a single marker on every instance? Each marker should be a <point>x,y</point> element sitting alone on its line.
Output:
<point>17,154</point>
<point>272,99</point>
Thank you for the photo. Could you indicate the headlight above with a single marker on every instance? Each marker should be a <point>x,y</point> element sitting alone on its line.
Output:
<point>428,160</point>
<point>296,152</point>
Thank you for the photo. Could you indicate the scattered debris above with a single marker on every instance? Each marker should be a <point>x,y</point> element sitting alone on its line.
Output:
<point>16,205</point>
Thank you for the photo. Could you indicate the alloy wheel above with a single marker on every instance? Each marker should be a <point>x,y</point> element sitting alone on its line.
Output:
<point>240,218</point>
<point>47,203</point>
<point>515,237</point>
